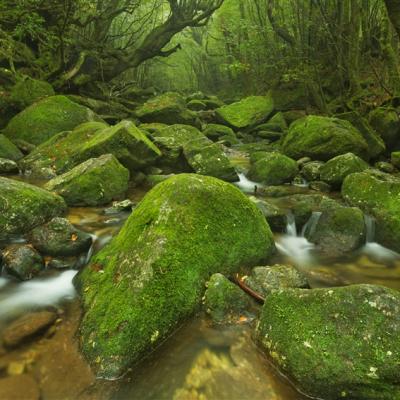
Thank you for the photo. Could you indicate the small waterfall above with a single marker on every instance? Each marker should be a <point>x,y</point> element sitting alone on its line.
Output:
<point>297,248</point>
<point>311,225</point>
<point>370,228</point>
<point>246,185</point>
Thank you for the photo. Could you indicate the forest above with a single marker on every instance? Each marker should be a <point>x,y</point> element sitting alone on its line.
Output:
<point>199,199</point>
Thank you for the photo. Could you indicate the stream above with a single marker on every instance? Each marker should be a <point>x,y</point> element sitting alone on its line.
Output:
<point>199,361</point>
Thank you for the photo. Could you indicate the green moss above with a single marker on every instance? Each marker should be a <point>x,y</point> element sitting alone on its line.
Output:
<point>95,182</point>
<point>378,194</point>
<point>395,159</point>
<point>341,342</point>
<point>272,168</point>
<point>8,150</point>
<point>322,138</point>
<point>215,131</point>
<point>196,105</point>
<point>247,112</point>
<point>335,170</point>
<point>151,277</point>
<point>27,91</point>
<point>386,122</point>
<point>23,206</point>
<point>46,118</point>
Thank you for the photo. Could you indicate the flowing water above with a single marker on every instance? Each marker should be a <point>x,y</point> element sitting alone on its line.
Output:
<point>199,361</point>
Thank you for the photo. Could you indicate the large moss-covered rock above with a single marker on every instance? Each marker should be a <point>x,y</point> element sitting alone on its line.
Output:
<point>339,229</point>
<point>273,168</point>
<point>311,171</point>
<point>335,343</point>
<point>378,194</point>
<point>216,131</point>
<point>46,118</point>
<point>386,122</point>
<point>323,138</point>
<point>376,145</point>
<point>24,206</point>
<point>151,277</point>
<point>27,91</point>
<point>9,150</point>
<point>247,112</point>
<point>168,108</point>
<point>125,141</point>
<point>95,182</point>
<point>336,169</point>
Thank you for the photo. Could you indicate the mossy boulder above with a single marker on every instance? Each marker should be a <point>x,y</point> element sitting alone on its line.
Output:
<point>151,277</point>
<point>24,206</point>
<point>335,170</point>
<point>395,159</point>
<point>322,138</point>
<point>216,131</point>
<point>9,150</point>
<point>95,182</point>
<point>275,216</point>
<point>339,229</point>
<point>378,194</point>
<point>276,124</point>
<point>376,145</point>
<point>168,108</point>
<point>125,141</point>
<point>197,105</point>
<point>246,113</point>
<point>44,119</point>
<point>273,168</point>
<point>335,343</point>
<point>311,171</point>
<point>224,301</point>
<point>27,91</point>
<point>386,121</point>
<point>60,238</point>
<point>8,166</point>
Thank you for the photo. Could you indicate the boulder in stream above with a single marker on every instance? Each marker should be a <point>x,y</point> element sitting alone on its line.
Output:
<point>24,206</point>
<point>151,277</point>
<point>95,182</point>
<point>336,343</point>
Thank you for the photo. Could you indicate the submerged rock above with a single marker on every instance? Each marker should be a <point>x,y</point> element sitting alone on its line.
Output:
<point>378,194</point>
<point>323,138</point>
<point>44,119</point>
<point>246,113</point>
<point>266,280</point>
<point>151,277</point>
<point>24,206</point>
<point>272,168</point>
<point>95,182</point>
<point>224,301</point>
<point>22,261</point>
<point>27,326</point>
<point>60,238</point>
<point>335,343</point>
<point>335,170</point>
<point>9,150</point>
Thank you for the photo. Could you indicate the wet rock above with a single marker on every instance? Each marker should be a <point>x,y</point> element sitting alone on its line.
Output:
<point>151,277</point>
<point>312,170</point>
<point>386,122</point>
<point>22,387</point>
<point>60,238</point>
<point>378,194</point>
<point>266,280</point>
<point>8,166</point>
<point>246,113</point>
<point>28,326</point>
<point>65,263</point>
<point>9,150</point>
<point>44,119</point>
<point>120,206</point>
<point>384,167</point>
<point>133,149</point>
<point>339,342</point>
<point>168,108</point>
<point>22,261</point>
<point>339,229</point>
<point>95,182</point>
<point>335,170</point>
<point>320,186</point>
<point>322,138</point>
<point>276,217</point>
<point>273,168</point>
<point>225,302</point>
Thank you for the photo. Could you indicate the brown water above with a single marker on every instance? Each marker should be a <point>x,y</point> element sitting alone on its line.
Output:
<point>199,362</point>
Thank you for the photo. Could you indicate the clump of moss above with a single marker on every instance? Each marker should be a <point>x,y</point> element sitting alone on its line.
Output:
<point>151,277</point>
<point>9,150</point>
<point>340,342</point>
